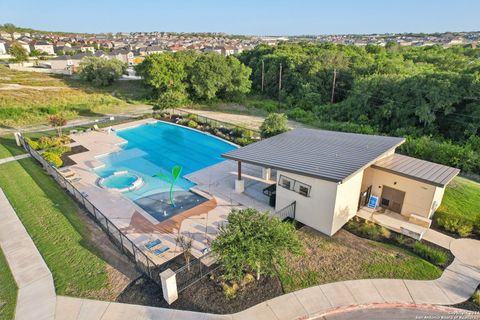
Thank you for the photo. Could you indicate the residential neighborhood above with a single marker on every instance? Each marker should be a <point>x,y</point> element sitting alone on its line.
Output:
<point>249,160</point>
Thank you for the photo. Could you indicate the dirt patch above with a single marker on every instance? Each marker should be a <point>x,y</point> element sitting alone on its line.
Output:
<point>204,296</point>
<point>121,271</point>
<point>15,86</point>
<point>243,120</point>
<point>67,161</point>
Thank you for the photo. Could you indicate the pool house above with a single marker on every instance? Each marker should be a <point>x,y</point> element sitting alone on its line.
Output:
<point>329,177</point>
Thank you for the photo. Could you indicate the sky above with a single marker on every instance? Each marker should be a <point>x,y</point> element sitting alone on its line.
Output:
<point>260,17</point>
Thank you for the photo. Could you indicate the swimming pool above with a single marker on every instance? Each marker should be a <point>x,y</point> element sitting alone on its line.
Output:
<point>158,147</point>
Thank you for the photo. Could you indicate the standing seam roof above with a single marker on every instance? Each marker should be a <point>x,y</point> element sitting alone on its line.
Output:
<point>324,154</point>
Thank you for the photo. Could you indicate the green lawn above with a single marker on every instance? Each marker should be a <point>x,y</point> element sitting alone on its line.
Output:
<point>348,257</point>
<point>8,147</point>
<point>34,96</point>
<point>52,220</point>
<point>462,198</point>
<point>8,291</point>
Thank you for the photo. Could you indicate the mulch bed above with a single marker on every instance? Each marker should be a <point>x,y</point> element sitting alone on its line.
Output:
<point>67,161</point>
<point>204,296</point>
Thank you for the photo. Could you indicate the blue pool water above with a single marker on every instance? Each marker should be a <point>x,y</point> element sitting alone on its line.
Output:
<point>158,147</point>
<point>120,181</point>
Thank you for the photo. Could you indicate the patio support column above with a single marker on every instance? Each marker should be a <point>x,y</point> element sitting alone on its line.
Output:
<point>239,182</point>
<point>266,174</point>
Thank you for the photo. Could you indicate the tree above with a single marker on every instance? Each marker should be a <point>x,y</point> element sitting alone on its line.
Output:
<point>210,74</point>
<point>170,99</point>
<point>10,28</point>
<point>274,123</point>
<point>18,52</point>
<point>254,242</point>
<point>57,121</point>
<point>161,71</point>
<point>185,244</point>
<point>101,71</point>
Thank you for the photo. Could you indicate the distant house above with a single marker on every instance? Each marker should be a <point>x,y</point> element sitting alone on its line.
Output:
<point>213,49</point>
<point>149,50</point>
<point>176,47</point>
<point>44,47</point>
<point>3,48</point>
<point>61,63</point>
<point>24,45</point>
<point>87,49</point>
<point>123,55</point>
<point>227,50</point>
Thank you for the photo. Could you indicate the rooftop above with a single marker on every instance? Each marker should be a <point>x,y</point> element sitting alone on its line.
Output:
<point>425,171</point>
<point>328,155</point>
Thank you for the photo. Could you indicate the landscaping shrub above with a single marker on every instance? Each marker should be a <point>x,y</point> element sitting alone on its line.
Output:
<point>274,123</point>
<point>33,144</point>
<point>476,297</point>
<point>431,254</point>
<point>242,141</point>
<point>455,224</point>
<point>192,124</point>
<point>52,158</point>
<point>230,292</point>
<point>367,229</point>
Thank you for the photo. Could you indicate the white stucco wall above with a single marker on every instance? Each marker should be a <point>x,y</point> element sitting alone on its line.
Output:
<point>346,204</point>
<point>316,210</point>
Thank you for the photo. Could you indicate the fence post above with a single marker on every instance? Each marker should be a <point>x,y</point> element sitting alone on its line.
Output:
<point>169,286</point>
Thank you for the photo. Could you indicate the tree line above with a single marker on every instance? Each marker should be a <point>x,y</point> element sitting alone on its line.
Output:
<point>176,78</point>
<point>431,94</point>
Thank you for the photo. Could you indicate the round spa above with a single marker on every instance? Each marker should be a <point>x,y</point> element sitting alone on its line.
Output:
<point>122,181</point>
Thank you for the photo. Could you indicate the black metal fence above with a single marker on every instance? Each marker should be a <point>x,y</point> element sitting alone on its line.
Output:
<point>141,260</point>
<point>194,271</point>
<point>217,123</point>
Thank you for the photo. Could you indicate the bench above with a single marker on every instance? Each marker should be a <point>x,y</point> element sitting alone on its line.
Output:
<point>419,220</point>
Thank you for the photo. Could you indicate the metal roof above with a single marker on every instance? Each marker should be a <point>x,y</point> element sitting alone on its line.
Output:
<point>425,171</point>
<point>328,155</point>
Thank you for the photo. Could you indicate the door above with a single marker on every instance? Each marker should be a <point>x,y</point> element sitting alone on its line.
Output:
<point>364,197</point>
<point>392,199</point>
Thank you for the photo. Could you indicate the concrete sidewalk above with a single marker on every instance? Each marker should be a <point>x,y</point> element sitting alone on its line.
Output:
<point>457,284</point>
<point>15,158</point>
<point>36,293</point>
<point>37,299</point>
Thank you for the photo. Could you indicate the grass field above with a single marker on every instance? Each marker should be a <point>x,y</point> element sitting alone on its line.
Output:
<point>8,290</point>
<point>27,98</point>
<point>348,257</point>
<point>462,198</point>
<point>8,147</point>
<point>52,220</point>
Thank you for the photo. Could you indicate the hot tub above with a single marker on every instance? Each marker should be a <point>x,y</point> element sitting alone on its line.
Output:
<point>121,181</point>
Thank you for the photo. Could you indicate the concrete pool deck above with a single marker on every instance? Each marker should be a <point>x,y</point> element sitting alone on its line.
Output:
<point>200,223</point>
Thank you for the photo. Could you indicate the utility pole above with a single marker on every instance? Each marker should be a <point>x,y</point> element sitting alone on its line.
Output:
<point>333,85</point>
<point>263,74</point>
<point>279,81</point>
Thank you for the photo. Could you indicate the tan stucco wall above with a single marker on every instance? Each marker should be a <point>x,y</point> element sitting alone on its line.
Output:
<point>437,199</point>
<point>346,203</point>
<point>419,196</point>
<point>315,211</point>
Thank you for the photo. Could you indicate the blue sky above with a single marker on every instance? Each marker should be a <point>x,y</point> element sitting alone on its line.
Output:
<point>267,17</point>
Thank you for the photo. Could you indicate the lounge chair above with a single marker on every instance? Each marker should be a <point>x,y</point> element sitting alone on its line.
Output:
<point>161,250</point>
<point>67,173</point>
<point>96,128</point>
<point>76,179</point>
<point>153,243</point>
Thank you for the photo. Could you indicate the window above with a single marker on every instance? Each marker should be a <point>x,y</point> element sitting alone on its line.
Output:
<point>302,188</point>
<point>385,202</point>
<point>287,183</point>
<point>294,185</point>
